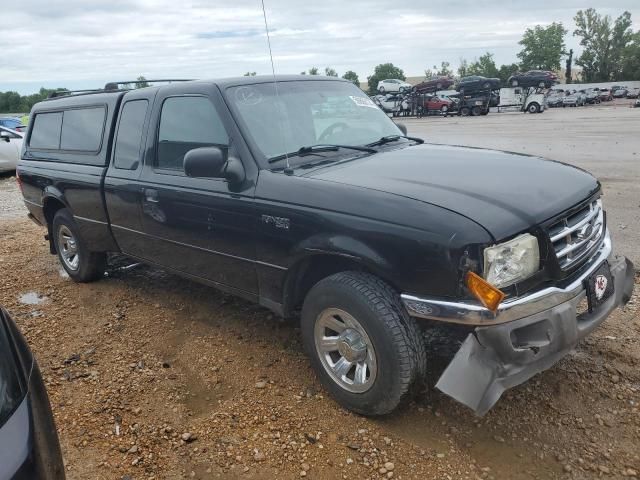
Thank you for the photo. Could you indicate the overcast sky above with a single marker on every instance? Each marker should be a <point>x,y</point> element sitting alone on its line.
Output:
<point>85,43</point>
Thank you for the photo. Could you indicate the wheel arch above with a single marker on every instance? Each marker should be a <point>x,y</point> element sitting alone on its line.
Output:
<point>52,202</point>
<point>312,264</point>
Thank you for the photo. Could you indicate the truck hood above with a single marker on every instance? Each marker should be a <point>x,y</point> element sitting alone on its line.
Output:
<point>504,192</point>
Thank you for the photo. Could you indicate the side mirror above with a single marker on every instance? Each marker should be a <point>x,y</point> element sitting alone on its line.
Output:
<point>205,162</point>
<point>213,162</point>
<point>402,127</point>
<point>6,136</point>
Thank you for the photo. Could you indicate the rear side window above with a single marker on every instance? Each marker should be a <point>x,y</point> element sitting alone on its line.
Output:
<point>46,130</point>
<point>129,139</point>
<point>82,129</point>
<point>187,123</point>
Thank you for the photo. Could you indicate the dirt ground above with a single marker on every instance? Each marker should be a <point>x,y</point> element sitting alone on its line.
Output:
<point>155,377</point>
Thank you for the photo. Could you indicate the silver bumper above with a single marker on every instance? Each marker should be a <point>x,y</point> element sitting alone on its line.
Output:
<point>468,313</point>
<point>495,358</point>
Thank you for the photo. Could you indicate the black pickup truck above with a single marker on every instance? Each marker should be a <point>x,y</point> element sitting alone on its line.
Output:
<point>302,195</point>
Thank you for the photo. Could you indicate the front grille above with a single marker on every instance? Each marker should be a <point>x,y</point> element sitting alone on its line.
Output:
<point>575,236</point>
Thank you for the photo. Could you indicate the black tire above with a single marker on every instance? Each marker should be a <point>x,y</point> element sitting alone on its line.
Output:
<point>476,111</point>
<point>398,346</point>
<point>464,111</point>
<point>533,108</point>
<point>90,265</point>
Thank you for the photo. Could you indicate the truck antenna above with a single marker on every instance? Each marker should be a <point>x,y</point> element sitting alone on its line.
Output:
<point>287,170</point>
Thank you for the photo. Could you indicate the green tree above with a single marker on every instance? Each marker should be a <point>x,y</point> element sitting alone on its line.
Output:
<point>603,42</point>
<point>13,102</point>
<point>631,59</point>
<point>444,70</point>
<point>505,71</point>
<point>141,82</point>
<point>330,72</point>
<point>485,66</point>
<point>463,68</point>
<point>352,77</point>
<point>383,72</point>
<point>542,47</point>
<point>314,71</point>
<point>252,74</point>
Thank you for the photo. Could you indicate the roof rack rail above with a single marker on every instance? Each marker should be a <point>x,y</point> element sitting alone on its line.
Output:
<point>115,85</point>
<point>62,93</point>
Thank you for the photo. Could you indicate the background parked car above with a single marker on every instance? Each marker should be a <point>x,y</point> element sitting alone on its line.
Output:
<point>29,447</point>
<point>533,78</point>
<point>620,92</point>
<point>576,99</point>
<point>10,148</point>
<point>555,99</point>
<point>474,83</point>
<point>438,103</point>
<point>633,92</point>
<point>593,96</point>
<point>393,85</point>
<point>13,123</point>
<point>605,95</point>
<point>433,85</point>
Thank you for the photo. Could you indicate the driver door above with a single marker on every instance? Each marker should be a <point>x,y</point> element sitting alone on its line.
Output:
<point>198,226</point>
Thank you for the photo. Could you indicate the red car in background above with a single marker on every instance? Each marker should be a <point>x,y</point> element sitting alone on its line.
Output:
<point>438,103</point>
<point>433,85</point>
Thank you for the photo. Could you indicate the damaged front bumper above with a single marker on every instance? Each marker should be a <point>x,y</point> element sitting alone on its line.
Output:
<point>526,336</point>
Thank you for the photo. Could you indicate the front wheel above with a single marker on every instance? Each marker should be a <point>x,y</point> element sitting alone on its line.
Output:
<point>464,111</point>
<point>364,347</point>
<point>79,262</point>
<point>533,108</point>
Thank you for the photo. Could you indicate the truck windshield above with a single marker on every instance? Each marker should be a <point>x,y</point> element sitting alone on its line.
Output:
<point>307,113</point>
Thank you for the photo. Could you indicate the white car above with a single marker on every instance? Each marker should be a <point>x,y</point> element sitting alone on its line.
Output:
<point>10,148</point>
<point>393,86</point>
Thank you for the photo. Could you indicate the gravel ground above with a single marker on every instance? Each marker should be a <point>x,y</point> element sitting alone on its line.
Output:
<point>152,376</point>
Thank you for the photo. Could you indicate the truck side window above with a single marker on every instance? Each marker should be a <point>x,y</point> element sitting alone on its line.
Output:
<point>129,137</point>
<point>82,129</point>
<point>46,131</point>
<point>187,123</point>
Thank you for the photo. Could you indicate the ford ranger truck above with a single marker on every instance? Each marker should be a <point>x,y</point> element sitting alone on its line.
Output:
<point>301,195</point>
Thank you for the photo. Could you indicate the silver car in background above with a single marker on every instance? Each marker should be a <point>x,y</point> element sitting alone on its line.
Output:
<point>10,148</point>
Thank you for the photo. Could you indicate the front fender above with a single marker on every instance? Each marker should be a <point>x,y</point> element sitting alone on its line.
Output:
<point>343,246</point>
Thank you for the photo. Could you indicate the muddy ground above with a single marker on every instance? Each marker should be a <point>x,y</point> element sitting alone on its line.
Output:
<point>154,376</point>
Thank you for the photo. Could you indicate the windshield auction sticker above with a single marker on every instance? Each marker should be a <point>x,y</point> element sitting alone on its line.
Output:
<point>363,101</point>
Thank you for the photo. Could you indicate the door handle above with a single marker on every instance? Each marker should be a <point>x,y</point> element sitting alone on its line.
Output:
<point>151,195</point>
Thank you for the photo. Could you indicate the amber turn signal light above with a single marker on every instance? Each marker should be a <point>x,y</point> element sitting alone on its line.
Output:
<point>489,295</point>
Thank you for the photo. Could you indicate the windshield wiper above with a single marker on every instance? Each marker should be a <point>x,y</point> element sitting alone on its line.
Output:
<point>314,149</point>
<point>393,138</point>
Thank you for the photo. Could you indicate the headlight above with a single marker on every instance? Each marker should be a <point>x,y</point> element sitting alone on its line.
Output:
<point>511,261</point>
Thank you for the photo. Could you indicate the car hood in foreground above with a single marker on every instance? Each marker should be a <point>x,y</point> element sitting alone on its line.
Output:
<point>504,192</point>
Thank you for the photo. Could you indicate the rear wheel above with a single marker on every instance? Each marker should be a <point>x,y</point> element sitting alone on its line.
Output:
<point>364,347</point>
<point>79,262</point>
<point>476,111</point>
